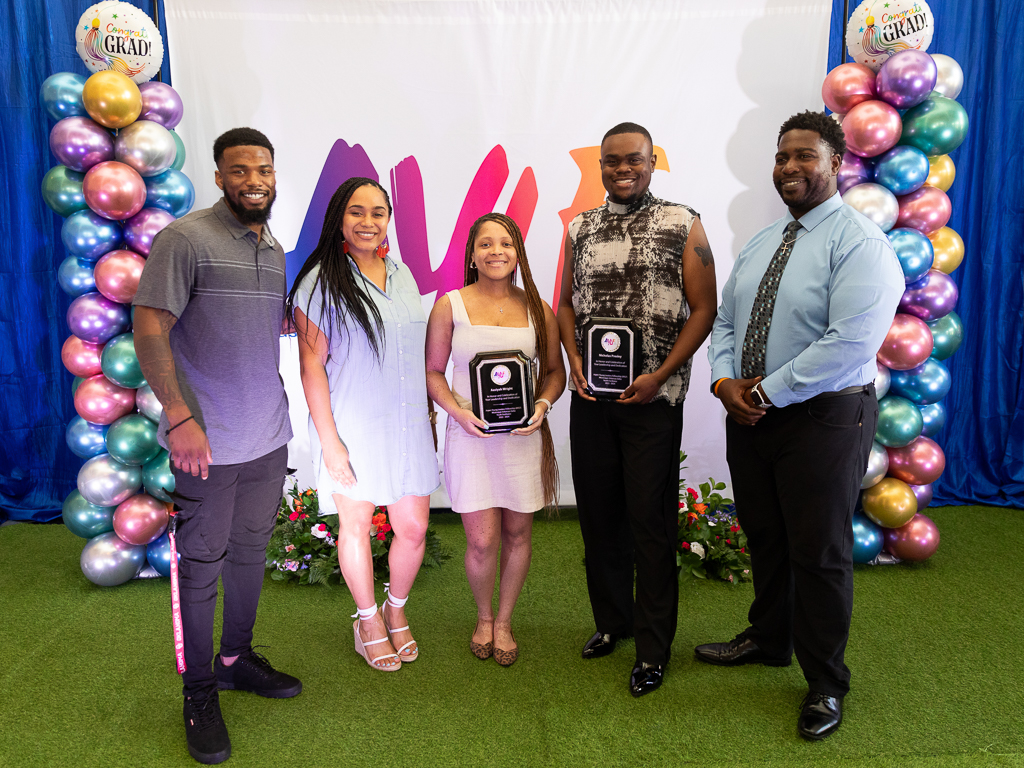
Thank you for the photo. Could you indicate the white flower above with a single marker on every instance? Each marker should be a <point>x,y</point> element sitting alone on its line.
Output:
<point>697,549</point>
<point>320,531</point>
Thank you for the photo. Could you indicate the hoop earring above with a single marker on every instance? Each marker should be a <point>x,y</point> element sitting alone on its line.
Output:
<point>472,265</point>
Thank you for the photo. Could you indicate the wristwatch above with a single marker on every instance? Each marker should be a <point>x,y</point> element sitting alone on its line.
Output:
<point>759,398</point>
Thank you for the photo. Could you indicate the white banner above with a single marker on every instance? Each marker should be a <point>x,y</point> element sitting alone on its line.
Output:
<point>457,105</point>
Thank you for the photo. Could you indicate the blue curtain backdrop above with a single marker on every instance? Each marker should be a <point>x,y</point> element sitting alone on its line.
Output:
<point>984,434</point>
<point>36,468</point>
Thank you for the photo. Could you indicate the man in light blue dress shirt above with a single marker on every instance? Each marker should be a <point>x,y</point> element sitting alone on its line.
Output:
<point>792,354</point>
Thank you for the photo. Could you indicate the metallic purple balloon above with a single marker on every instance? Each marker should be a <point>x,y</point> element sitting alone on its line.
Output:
<point>924,495</point>
<point>79,143</point>
<point>141,228</point>
<point>854,170</point>
<point>161,104</point>
<point>93,317</point>
<point>906,78</point>
<point>930,298</point>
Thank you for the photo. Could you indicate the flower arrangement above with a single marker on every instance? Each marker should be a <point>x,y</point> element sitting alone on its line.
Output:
<point>304,545</point>
<point>711,542</point>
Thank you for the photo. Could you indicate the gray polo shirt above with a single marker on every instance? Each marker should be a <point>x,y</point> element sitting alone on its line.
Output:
<point>227,290</point>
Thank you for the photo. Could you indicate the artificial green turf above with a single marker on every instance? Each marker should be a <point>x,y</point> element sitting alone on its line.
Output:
<point>88,676</point>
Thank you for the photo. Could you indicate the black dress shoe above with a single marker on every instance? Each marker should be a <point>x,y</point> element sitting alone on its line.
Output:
<point>740,650</point>
<point>601,644</point>
<point>645,678</point>
<point>820,716</point>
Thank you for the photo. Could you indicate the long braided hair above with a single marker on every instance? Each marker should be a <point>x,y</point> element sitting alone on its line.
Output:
<point>340,289</point>
<point>535,307</point>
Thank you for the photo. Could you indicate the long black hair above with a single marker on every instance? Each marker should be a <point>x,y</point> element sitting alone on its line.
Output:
<point>340,290</point>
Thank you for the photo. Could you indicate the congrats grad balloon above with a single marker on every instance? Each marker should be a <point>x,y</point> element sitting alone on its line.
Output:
<point>120,37</point>
<point>879,29</point>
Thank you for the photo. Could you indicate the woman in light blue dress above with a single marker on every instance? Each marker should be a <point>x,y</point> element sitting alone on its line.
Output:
<point>361,330</point>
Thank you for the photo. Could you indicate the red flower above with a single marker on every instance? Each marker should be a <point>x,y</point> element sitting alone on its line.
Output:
<point>728,541</point>
<point>743,549</point>
<point>293,516</point>
<point>303,516</point>
<point>385,528</point>
<point>734,528</point>
<point>693,493</point>
<point>380,536</point>
<point>685,545</point>
<point>682,504</point>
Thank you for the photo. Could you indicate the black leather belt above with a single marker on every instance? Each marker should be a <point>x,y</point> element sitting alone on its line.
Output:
<point>870,388</point>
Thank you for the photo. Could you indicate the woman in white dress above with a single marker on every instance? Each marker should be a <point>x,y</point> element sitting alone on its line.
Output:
<point>361,332</point>
<point>497,481</point>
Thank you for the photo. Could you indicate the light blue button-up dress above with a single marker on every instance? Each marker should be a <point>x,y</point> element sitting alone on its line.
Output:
<point>379,405</point>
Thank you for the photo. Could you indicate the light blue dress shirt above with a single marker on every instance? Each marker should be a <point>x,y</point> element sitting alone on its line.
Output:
<point>379,406</point>
<point>836,301</point>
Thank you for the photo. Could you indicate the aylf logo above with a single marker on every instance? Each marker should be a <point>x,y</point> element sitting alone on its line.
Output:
<point>501,375</point>
<point>611,341</point>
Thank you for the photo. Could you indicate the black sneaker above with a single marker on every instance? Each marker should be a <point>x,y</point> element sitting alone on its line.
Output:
<point>252,672</point>
<point>205,731</point>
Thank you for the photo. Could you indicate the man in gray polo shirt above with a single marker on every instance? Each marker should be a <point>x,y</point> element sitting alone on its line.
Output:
<point>208,318</point>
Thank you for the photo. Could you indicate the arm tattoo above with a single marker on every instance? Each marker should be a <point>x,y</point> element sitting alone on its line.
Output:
<point>704,251</point>
<point>157,362</point>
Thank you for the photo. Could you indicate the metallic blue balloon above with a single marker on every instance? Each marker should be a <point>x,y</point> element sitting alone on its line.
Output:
<point>88,235</point>
<point>934,418</point>
<point>915,252</point>
<point>61,95</point>
<point>902,169</point>
<point>158,553</point>
<point>75,276</point>
<point>947,335</point>
<point>171,191</point>
<point>84,438</point>
<point>867,539</point>
<point>85,519</point>
<point>924,385</point>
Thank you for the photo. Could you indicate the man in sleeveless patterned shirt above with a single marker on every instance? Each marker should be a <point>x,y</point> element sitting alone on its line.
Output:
<point>648,260</point>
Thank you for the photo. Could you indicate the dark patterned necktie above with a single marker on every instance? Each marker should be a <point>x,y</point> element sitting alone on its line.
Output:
<point>756,339</point>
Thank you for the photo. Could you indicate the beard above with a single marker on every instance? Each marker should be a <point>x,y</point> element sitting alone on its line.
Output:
<point>251,215</point>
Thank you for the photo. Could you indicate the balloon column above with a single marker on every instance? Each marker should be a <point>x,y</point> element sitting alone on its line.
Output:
<point>118,183</point>
<point>897,107</point>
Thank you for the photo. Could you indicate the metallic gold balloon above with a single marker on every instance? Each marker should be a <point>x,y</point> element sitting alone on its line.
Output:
<point>140,519</point>
<point>941,172</point>
<point>132,440</point>
<point>107,560</point>
<point>949,249</point>
<point>916,540</point>
<point>890,503</point>
<point>111,99</point>
<point>85,519</point>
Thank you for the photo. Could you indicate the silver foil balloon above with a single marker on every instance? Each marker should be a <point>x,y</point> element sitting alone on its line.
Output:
<point>874,201</point>
<point>878,465</point>
<point>146,146</point>
<point>107,482</point>
<point>950,78</point>
<point>882,379</point>
<point>108,561</point>
<point>148,405</point>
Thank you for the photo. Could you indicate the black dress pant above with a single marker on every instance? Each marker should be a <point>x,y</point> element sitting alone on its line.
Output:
<point>223,528</point>
<point>796,475</point>
<point>625,469</point>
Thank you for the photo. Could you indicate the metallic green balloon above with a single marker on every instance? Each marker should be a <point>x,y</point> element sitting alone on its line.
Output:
<point>119,363</point>
<point>179,158</point>
<point>74,384</point>
<point>62,190</point>
<point>936,126</point>
<point>899,422</point>
<point>132,440</point>
<point>85,519</point>
<point>157,476</point>
<point>948,334</point>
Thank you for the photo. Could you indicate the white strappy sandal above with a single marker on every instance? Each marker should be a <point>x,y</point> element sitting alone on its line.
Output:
<point>361,648</point>
<point>396,603</point>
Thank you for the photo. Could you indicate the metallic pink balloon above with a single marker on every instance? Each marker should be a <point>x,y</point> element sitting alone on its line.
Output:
<point>908,343</point>
<point>871,128</point>
<point>81,358</point>
<point>923,493</point>
<point>915,541</point>
<point>117,275</point>
<point>141,228</point>
<point>161,104</point>
<point>846,86</point>
<point>93,317</point>
<point>114,190</point>
<point>931,297</point>
<point>906,78</point>
<point>79,143</point>
<point>926,210</point>
<point>854,170</point>
<point>919,463</point>
<point>140,519</point>
<point>98,400</point>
